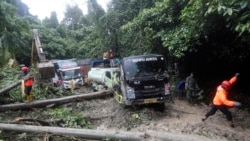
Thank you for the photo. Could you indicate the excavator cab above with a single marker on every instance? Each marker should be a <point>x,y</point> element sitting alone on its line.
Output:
<point>44,67</point>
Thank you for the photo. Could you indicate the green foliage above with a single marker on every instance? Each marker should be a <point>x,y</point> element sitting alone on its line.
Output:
<point>236,13</point>
<point>12,29</point>
<point>72,17</point>
<point>8,76</point>
<point>53,44</point>
<point>156,26</point>
<point>130,42</point>
<point>95,12</point>
<point>73,120</point>
<point>51,22</point>
<point>215,29</point>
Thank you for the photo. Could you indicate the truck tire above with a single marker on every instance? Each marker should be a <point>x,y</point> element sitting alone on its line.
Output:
<point>161,106</point>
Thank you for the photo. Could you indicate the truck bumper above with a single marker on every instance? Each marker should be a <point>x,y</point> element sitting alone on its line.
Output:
<point>148,100</point>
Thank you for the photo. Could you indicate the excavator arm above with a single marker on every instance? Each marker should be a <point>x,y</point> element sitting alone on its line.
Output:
<point>38,59</point>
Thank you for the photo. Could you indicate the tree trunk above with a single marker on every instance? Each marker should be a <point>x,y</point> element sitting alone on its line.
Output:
<point>83,133</point>
<point>63,100</point>
<point>13,85</point>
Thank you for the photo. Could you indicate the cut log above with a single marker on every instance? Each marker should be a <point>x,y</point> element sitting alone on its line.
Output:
<point>40,122</point>
<point>83,133</point>
<point>13,85</point>
<point>58,101</point>
<point>91,134</point>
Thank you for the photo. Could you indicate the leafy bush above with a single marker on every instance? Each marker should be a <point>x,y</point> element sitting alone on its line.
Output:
<point>71,119</point>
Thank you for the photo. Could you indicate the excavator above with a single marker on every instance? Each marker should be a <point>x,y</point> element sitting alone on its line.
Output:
<point>44,67</point>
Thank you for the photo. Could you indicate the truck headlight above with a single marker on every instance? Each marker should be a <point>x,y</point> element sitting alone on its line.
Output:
<point>130,93</point>
<point>167,91</point>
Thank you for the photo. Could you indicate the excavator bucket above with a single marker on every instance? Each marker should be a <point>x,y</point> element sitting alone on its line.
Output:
<point>43,66</point>
<point>46,70</point>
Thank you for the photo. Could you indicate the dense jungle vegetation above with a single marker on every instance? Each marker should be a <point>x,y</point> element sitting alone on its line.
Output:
<point>209,37</point>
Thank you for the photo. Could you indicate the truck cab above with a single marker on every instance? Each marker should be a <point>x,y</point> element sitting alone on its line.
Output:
<point>143,79</point>
<point>67,74</point>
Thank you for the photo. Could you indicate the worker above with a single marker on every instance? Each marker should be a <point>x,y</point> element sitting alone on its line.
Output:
<point>27,84</point>
<point>181,89</point>
<point>191,87</point>
<point>106,58</point>
<point>112,58</point>
<point>221,102</point>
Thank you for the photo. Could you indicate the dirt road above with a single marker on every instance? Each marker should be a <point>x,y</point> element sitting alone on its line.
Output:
<point>179,122</point>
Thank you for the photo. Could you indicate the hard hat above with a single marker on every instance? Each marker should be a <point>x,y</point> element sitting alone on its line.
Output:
<point>25,69</point>
<point>21,65</point>
<point>226,84</point>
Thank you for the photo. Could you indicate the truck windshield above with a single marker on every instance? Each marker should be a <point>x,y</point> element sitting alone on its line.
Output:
<point>143,67</point>
<point>71,74</point>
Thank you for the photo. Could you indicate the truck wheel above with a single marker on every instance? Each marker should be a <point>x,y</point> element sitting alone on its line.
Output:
<point>161,106</point>
<point>124,106</point>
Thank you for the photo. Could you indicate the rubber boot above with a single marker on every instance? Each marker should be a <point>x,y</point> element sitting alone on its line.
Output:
<point>28,98</point>
<point>31,97</point>
<point>203,119</point>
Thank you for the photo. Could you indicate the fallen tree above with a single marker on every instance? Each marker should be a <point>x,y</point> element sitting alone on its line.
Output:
<point>92,134</point>
<point>38,121</point>
<point>13,85</point>
<point>83,133</point>
<point>58,101</point>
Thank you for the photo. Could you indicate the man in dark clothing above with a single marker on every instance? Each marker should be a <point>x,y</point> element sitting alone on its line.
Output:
<point>191,87</point>
<point>181,88</point>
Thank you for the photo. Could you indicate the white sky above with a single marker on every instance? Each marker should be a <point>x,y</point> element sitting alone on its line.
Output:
<point>43,8</point>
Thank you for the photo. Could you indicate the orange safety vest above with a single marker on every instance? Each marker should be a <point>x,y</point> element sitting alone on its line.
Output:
<point>221,95</point>
<point>29,82</point>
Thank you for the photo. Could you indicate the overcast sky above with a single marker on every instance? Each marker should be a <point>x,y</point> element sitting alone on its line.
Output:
<point>43,8</point>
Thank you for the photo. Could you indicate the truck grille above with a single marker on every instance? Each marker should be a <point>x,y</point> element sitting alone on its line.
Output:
<point>149,93</point>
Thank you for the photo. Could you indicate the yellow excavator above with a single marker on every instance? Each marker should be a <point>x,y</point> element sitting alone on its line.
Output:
<point>44,67</point>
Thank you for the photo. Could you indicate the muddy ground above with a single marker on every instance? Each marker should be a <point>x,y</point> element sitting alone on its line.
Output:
<point>179,122</point>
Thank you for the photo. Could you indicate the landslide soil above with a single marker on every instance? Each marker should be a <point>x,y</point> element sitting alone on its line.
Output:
<point>180,121</point>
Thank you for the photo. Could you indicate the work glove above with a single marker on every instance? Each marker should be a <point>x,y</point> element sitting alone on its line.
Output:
<point>237,74</point>
<point>237,104</point>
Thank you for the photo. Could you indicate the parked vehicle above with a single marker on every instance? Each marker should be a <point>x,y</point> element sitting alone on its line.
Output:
<point>67,74</point>
<point>143,79</point>
<point>100,78</point>
<point>138,80</point>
